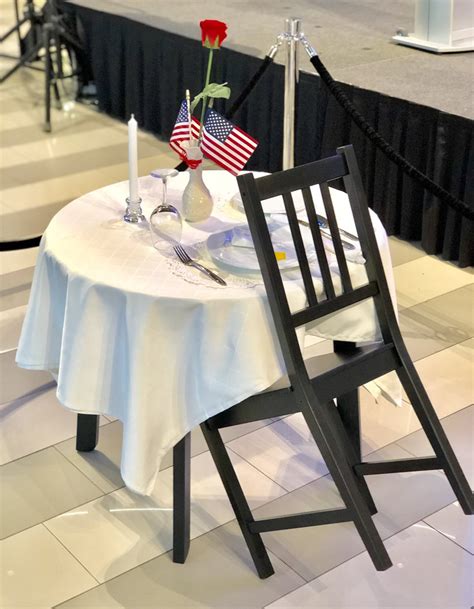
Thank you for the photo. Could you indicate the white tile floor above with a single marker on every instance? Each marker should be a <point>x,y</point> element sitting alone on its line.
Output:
<point>73,536</point>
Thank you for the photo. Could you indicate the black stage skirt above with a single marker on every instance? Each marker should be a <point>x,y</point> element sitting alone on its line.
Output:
<point>144,70</point>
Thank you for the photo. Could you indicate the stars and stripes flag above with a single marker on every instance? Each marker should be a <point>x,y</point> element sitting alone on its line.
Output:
<point>225,144</point>
<point>181,129</point>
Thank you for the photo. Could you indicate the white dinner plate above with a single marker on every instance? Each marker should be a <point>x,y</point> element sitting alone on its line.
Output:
<point>224,253</point>
<point>275,205</point>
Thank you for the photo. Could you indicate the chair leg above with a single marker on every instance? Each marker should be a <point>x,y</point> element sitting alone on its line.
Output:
<point>352,454</point>
<point>347,483</point>
<point>237,498</point>
<point>181,499</point>
<point>435,433</point>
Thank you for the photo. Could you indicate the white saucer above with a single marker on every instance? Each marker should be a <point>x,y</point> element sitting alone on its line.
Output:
<point>224,253</point>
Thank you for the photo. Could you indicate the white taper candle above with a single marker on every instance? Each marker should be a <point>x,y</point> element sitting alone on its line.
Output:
<point>133,159</point>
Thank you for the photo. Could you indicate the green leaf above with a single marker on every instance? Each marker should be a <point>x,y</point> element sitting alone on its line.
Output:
<point>216,90</point>
<point>213,89</point>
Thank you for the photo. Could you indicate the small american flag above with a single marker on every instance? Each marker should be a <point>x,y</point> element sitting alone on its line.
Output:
<point>181,129</point>
<point>225,144</point>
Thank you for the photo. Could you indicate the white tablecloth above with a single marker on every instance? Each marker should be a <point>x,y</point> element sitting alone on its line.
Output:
<point>127,337</point>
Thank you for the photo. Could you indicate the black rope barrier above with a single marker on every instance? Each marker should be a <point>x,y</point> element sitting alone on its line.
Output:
<point>242,97</point>
<point>382,144</point>
<point>21,244</point>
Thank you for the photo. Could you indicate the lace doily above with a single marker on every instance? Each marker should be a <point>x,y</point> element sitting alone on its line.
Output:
<point>198,251</point>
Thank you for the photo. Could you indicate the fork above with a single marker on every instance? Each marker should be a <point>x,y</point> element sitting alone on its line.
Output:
<point>188,261</point>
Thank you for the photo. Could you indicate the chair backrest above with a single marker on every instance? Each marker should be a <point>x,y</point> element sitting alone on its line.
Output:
<point>284,183</point>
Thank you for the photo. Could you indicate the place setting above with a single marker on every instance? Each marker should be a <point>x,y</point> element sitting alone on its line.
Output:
<point>219,251</point>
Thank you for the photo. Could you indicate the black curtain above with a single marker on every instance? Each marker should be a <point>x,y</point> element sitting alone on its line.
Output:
<point>145,70</point>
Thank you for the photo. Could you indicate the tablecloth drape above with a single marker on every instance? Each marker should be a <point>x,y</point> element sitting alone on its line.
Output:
<point>124,336</point>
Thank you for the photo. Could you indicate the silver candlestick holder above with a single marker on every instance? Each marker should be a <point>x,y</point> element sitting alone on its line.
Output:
<point>134,212</point>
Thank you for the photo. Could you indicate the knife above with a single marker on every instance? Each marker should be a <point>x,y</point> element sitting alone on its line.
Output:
<point>346,244</point>
<point>324,224</point>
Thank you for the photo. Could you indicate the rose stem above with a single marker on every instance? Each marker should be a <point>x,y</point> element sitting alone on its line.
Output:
<point>204,100</point>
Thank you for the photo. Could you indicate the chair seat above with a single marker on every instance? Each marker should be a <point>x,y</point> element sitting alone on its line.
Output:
<point>320,365</point>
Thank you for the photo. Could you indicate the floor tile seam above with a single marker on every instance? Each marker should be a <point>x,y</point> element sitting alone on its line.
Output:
<point>423,302</point>
<point>408,405</point>
<point>434,257</point>
<point>54,445</point>
<point>260,506</point>
<point>234,520</point>
<point>37,391</point>
<point>462,342</point>
<point>170,552</point>
<point>396,265</point>
<point>37,121</point>
<point>11,212</point>
<point>270,422</point>
<point>272,551</point>
<point>16,183</point>
<point>364,551</point>
<point>268,477</point>
<point>441,349</point>
<point>444,534</point>
<point>123,163</point>
<point>40,136</point>
<point>80,471</point>
<point>76,559</point>
<point>205,450</point>
<point>421,429</point>
<point>62,513</point>
<point>328,476</point>
<point>260,472</point>
<point>105,494</point>
<point>74,507</point>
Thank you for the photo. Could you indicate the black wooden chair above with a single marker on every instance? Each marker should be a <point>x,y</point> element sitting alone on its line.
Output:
<point>313,386</point>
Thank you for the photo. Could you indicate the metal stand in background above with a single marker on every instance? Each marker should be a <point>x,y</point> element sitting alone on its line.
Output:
<point>292,35</point>
<point>290,38</point>
<point>47,39</point>
<point>30,44</point>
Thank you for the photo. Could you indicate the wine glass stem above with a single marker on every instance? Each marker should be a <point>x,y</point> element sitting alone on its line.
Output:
<point>165,190</point>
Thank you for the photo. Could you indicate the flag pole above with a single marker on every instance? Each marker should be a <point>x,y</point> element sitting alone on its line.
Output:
<point>188,109</point>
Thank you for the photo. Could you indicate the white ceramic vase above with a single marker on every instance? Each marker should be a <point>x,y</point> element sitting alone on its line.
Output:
<point>197,200</point>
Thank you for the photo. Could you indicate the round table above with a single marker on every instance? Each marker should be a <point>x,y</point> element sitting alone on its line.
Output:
<point>127,336</point>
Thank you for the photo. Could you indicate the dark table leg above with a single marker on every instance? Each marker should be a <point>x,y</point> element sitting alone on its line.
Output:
<point>87,434</point>
<point>181,498</point>
<point>348,404</point>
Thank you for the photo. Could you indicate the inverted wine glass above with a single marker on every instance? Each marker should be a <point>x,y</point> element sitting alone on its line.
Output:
<point>165,220</point>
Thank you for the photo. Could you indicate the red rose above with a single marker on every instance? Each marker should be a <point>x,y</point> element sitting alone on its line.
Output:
<point>213,33</point>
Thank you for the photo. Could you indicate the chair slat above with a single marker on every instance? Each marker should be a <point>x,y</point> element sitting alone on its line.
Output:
<point>336,304</point>
<point>336,238</point>
<point>281,182</point>
<point>318,243</point>
<point>300,249</point>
